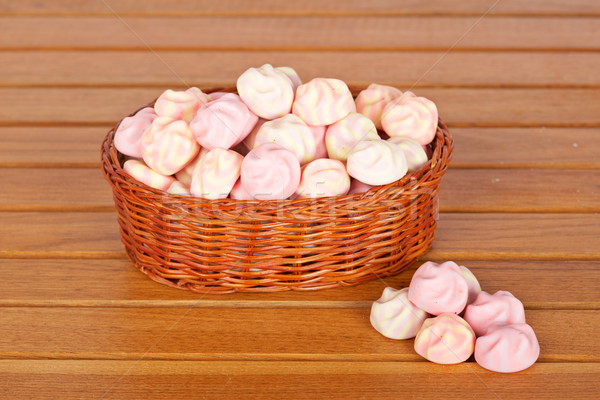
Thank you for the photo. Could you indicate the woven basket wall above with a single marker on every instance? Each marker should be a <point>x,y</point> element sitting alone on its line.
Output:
<point>223,246</point>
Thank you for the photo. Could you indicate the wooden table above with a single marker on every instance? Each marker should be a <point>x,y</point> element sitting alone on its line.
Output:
<point>517,81</point>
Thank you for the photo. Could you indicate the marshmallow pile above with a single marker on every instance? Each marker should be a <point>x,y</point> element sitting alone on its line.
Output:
<point>492,326</point>
<point>277,139</point>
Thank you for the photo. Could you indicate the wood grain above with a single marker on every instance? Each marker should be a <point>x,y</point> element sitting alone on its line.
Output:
<point>218,68</point>
<point>458,107</point>
<point>265,334</point>
<point>301,33</point>
<point>117,283</point>
<point>487,190</point>
<point>76,147</point>
<point>458,236</point>
<point>307,7</point>
<point>42,379</point>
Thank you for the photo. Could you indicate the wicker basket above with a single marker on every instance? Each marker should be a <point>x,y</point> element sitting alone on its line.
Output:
<point>224,246</point>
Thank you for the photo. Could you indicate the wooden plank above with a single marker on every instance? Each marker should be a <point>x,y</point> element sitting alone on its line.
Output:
<point>265,334</point>
<point>458,236</point>
<point>458,107</point>
<point>43,379</point>
<point>473,190</point>
<point>307,7</point>
<point>117,283</point>
<point>301,33</point>
<point>218,68</point>
<point>78,147</point>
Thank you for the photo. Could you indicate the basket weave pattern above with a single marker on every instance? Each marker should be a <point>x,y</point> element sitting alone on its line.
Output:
<point>226,245</point>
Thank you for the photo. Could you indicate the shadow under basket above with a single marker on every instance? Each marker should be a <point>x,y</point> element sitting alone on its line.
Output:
<point>226,245</point>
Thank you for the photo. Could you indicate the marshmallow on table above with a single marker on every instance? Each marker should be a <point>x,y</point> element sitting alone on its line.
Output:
<point>413,151</point>
<point>292,75</point>
<point>180,104</point>
<point>270,172</point>
<point>323,101</point>
<point>474,288</point>
<point>376,162</point>
<point>371,101</point>
<point>128,136</point>
<point>179,188</point>
<point>507,348</point>
<point>411,116</point>
<point>319,135</point>
<point>146,175</point>
<point>168,145</point>
<point>487,309</point>
<point>395,317</point>
<point>323,177</point>
<point>238,192</point>
<point>185,175</point>
<point>438,288</point>
<point>216,173</point>
<point>357,186</point>
<point>268,92</point>
<point>343,135</point>
<point>445,339</point>
<point>289,132</point>
<point>223,122</point>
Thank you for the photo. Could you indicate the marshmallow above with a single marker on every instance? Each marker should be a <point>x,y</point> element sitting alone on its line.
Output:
<point>146,175</point>
<point>445,339</point>
<point>223,122</point>
<point>238,192</point>
<point>357,186</point>
<point>128,136</point>
<point>216,95</point>
<point>323,101</point>
<point>185,175</point>
<point>216,173</point>
<point>270,172</point>
<point>487,309</point>
<point>323,177</point>
<point>291,133</point>
<point>180,104</point>
<point>473,286</point>
<point>411,116</point>
<point>319,135</point>
<point>371,101</point>
<point>343,135</point>
<point>376,162</point>
<point>395,317</point>
<point>179,188</point>
<point>268,92</point>
<point>168,145</point>
<point>413,152</point>
<point>507,348</point>
<point>292,75</point>
<point>438,288</point>
<point>249,141</point>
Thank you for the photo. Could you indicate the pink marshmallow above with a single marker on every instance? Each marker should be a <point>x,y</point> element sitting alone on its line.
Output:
<point>323,177</point>
<point>445,339</point>
<point>270,172</point>
<point>185,175</point>
<point>371,101</point>
<point>395,317</point>
<point>411,116</point>
<point>413,152</point>
<point>319,135</point>
<point>323,101</point>
<point>146,175</point>
<point>216,95</point>
<point>472,284</point>
<point>291,133</point>
<point>439,288</point>
<point>357,186</point>
<point>180,104</point>
<point>128,136</point>
<point>168,145</point>
<point>216,173</point>
<point>223,122</point>
<point>376,162</point>
<point>507,348</point>
<point>487,309</point>
<point>179,188</point>
<point>238,192</point>
<point>343,135</point>
<point>268,92</point>
<point>292,75</point>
